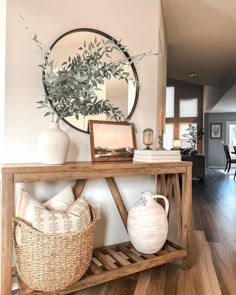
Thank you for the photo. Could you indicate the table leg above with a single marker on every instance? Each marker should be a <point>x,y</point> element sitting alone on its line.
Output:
<point>187,215</point>
<point>118,199</point>
<point>7,208</point>
<point>78,187</point>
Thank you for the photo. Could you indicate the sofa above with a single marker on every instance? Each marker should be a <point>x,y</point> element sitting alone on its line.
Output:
<point>199,162</point>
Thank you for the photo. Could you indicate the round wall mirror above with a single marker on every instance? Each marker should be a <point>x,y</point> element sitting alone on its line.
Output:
<point>120,93</point>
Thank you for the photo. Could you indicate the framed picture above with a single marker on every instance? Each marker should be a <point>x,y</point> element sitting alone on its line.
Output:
<point>216,130</point>
<point>111,141</point>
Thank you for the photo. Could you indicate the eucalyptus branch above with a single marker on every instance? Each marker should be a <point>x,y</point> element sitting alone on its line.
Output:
<point>72,88</point>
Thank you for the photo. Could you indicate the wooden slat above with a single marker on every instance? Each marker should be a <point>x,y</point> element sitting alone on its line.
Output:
<point>169,186</point>
<point>132,254</point>
<point>147,256</point>
<point>118,200</point>
<point>178,205</point>
<point>109,257</point>
<point>183,183</point>
<point>163,185</point>
<point>122,255</point>
<point>159,189</point>
<point>103,259</point>
<point>6,213</point>
<point>94,268</point>
<point>78,187</point>
<point>95,260</point>
<point>158,184</point>
<point>117,257</point>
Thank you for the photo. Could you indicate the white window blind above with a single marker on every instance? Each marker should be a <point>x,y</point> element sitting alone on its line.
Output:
<point>170,101</point>
<point>168,136</point>
<point>182,130</point>
<point>188,108</point>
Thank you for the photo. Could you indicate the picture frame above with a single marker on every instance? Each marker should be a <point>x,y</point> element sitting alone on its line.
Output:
<point>112,141</point>
<point>216,130</point>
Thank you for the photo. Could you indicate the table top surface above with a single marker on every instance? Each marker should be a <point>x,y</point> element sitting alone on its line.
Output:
<point>72,166</point>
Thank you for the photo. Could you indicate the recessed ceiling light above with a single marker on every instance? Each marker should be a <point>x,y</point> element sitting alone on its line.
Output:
<point>193,74</point>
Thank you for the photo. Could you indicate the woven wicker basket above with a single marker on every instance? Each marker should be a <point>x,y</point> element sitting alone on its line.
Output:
<point>52,262</point>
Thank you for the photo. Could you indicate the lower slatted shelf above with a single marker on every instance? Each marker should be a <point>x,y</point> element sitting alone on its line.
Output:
<point>116,261</point>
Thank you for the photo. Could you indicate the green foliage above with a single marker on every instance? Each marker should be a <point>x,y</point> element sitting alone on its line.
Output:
<point>193,135</point>
<point>72,88</point>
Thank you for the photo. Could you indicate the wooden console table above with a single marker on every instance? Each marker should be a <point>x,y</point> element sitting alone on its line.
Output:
<point>117,260</point>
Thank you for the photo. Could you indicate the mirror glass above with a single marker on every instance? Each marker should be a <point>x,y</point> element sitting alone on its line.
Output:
<point>120,93</point>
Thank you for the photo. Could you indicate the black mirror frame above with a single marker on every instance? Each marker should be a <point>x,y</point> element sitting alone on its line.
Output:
<point>124,52</point>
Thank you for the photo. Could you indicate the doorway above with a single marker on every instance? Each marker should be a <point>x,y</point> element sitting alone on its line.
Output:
<point>231,134</point>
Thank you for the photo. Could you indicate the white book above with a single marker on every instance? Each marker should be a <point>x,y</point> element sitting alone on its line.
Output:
<point>157,156</point>
<point>156,152</point>
<point>154,161</point>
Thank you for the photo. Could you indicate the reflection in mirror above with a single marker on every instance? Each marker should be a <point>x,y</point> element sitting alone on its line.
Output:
<point>121,93</point>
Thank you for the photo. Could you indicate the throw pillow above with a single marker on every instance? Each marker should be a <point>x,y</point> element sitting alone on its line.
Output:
<point>61,201</point>
<point>27,203</point>
<point>25,206</point>
<point>74,219</point>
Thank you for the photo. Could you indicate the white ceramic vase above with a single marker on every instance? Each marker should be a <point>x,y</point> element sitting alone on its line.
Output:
<point>147,224</point>
<point>53,145</point>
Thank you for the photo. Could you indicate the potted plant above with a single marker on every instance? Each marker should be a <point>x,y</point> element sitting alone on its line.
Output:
<point>71,89</point>
<point>194,134</point>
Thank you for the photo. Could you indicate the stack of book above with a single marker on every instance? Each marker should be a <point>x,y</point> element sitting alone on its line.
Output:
<point>156,156</point>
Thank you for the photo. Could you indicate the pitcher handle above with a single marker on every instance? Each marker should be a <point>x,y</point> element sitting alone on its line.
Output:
<point>166,202</point>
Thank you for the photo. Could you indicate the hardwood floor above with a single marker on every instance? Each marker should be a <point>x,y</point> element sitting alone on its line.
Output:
<point>213,253</point>
<point>214,249</point>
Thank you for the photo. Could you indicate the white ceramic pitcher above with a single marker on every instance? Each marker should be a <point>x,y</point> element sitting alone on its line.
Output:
<point>147,223</point>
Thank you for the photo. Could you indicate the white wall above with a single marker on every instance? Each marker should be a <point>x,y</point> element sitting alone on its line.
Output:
<point>215,156</point>
<point>135,22</point>
<point>2,70</point>
<point>211,96</point>
<point>227,102</point>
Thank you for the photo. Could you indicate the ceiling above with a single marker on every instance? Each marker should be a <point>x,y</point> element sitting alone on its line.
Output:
<point>201,38</point>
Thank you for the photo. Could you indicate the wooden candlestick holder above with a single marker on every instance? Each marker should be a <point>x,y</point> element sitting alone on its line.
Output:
<point>160,141</point>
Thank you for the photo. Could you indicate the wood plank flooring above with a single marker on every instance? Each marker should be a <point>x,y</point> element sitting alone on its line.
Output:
<point>213,249</point>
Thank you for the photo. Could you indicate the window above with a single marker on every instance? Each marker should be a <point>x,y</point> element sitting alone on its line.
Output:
<point>184,105</point>
<point>168,136</point>
<point>188,108</point>
<point>170,101</point>
<point>182,130</point>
